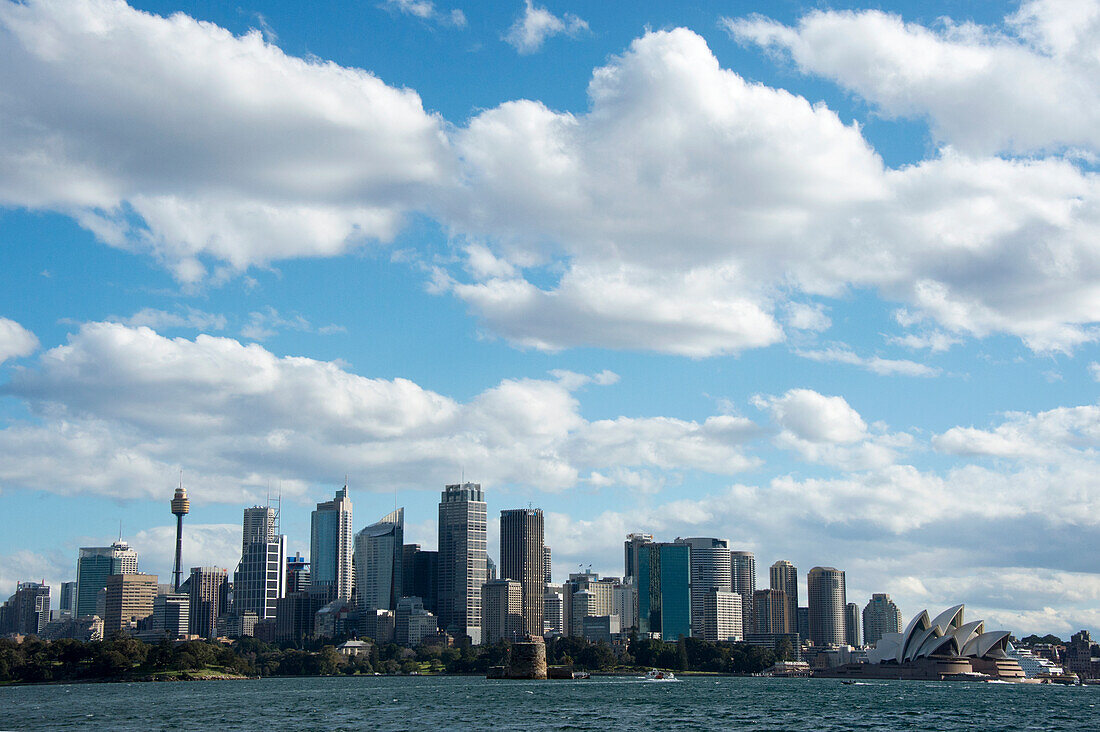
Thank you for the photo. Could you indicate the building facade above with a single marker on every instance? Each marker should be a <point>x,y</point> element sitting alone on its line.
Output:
<point>743,576</point>
<point>129,600</point>
<point>522,558</point>
<point>379,557</point>
<point>462,559</point>
<point>260,579</point>
<point>664,590</point>
<point>330,546</point>
<point>770,612</point>
<point>502,611</point>
<point>784,576</point>
<point>851,624</point>
<point>827,602</point>
<point>67,607</point>
<point>631,548</point>
<point>27,612</point>
<point>721,614</point>
<point>207,599</point>
<point>880,617</point>
<point>711,568</point>
<point>93,565</point>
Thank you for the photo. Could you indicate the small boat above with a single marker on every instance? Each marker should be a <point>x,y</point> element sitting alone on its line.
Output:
<point>658,675</point>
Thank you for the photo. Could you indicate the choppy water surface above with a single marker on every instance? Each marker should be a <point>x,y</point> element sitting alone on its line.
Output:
<point>454,703</point>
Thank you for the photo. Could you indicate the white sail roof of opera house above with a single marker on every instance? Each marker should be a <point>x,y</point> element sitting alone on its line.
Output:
<point>947,635</point>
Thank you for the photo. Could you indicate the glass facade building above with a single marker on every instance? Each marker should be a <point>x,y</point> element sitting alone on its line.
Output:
<point>664,590</point>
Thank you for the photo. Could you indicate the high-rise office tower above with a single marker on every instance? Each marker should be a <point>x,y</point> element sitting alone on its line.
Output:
<point>424,579</point>
<point>553,616</point>
<point>851,624</point>
<point>664,590</point>
<point>743,575</point>
<point>330,546</point>
<point>827,601</point>
<point>802,623</point>
<point>502,611</point>
<point>181,506</point>
<point>880,616</point>
<point>379,553</point>
<point>770,611</point>
<point>585,594</point>
<point>170,614</point>
<point>408,569</point>
<point>27,611</point>
<point>462,523</point>
<point>94,565</point>
<point>522,559</point>
<point>710,570</point>
<point>490,569</point>
<point>631,547</point>
<point>784,576</point>
<point>129,599</point>
<point>68,599</point>
<point>209,589</point>
<point>297,574</point>
<point>260,579</point>
<point>548,575</point>
<point>721,616</point>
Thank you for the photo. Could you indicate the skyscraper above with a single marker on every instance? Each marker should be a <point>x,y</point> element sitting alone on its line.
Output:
<point>743,575</point>
<point>880,616</point>
<point>207,600</point>
<point>664,590</point>
<point>297,574</point>
<point>27,611</point>
<point>522,559</point>
<point>851,624</point>
<point>94,565</point>
<point>771,612</point>
<point>260,579</point>
<point>181,506</point>
<point>548,576</point>
<point>721,616</point>
<point>502,611</point>
<point>711,569</point>
<point>784,576</point>
<point>67,607</point>
<point>129,599</point>
<point>330,546</point>
<point>827,601</point>
<point>462,524</point>
<point>379,553</point>
<point>425,579</point>
<point>631,547</point>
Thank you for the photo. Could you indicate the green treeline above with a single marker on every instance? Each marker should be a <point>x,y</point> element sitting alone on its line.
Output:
<point>35,661</point>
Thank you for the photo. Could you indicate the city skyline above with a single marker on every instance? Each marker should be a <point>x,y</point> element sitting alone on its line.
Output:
<point>731,270</point>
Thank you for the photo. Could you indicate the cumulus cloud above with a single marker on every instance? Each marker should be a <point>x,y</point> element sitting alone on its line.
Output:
<point>537,24</point>
<point>1026,86</point>
<point>121,408</point>
<point>15,340</point>
<point>1051,436</point>
<point>203,544</point>
<point>221,148</point>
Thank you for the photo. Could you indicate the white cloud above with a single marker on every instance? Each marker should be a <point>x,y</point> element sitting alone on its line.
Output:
<point>220,148</point>
<point>935,341</point>
<point>537,24</point>
<point>203,545</point>
<point>874,364</point>
<point>1027,86</point>
<point>426,10</point>
<point>805,316</point>
<point>122,408</point>
<point>15,340</point>
<point>1053,436</point>
<point>815,417</point>
<point>186,317</point>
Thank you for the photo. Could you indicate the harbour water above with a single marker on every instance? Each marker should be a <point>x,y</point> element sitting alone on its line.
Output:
<point>607,703</point>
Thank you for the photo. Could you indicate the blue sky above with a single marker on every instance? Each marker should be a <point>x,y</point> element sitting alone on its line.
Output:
<point>818,279</point>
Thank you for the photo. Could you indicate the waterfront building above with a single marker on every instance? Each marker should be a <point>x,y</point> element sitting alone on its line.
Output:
<point>379,551</point>
<point>851,625</point>
<point>743,576</point>
<point>664,590</point>
<point>1081,655</point>
<point>129,599</point>
<point>586,594</point>
<point>27,612</point>
<point>502,611</point>
<point>827,599</point>
<point>784,576</point>
<point>553,612</point>
<point>260,579</point>
<point>462,559</point>
<point>721,614</point>
<point>770,612</point>
<point>207,600</point>
<point>93,565</point>
<point>522,558</point>
<point>631,547</point>
<point>880,617</point>
<point>330,546</point>
<point>412,622</point>
<point>601,628</point>
<point>170,615</point>
<point>67,607</point>
<point>297,573</point>
<point>711,569</point>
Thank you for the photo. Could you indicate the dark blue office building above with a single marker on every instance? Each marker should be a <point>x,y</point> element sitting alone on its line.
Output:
<point>664,590</point>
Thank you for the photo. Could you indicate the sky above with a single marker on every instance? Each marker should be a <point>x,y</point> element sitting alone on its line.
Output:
<point>819,279</point>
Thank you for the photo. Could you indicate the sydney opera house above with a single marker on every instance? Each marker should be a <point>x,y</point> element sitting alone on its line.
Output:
<point>944,648</point>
